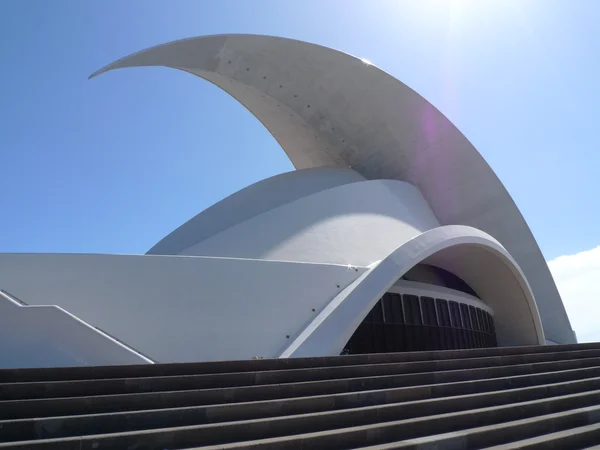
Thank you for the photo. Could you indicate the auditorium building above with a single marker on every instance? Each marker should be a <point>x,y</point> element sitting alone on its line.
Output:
<point>393,234</point>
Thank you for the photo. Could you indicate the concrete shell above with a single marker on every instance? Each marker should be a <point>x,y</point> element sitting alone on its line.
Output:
<point>325,108</point>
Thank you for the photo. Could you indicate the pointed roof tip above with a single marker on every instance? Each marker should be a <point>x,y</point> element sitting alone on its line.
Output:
<point>118,64</point>
<point>99,72</point>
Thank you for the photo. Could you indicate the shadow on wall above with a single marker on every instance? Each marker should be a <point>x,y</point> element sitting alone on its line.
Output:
<point>48,336</point>
<point>356,224</point>
<point>469,253</point>
<point>252,201</point>
<point>496,284</point>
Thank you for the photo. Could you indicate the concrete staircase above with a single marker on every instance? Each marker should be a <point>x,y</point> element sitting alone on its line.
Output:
<point>500,398</point>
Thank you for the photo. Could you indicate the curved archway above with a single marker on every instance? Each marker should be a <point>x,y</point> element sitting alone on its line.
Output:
<point>516,316</point>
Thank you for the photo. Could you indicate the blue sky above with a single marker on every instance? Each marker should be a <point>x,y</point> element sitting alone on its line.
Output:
<point>113,164</point>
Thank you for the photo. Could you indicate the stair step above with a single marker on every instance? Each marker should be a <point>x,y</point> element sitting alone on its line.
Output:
<point>164,370</point>
<point>463,439</point>
<point>568,430</point>
<point>520,397</point>
<point>572,439</point>
<point>373,393</point>
<point>70,388</point>
<point>326,429</point>
<point>54,427</point>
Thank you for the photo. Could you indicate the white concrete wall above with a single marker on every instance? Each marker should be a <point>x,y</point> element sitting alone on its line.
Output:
<point>182,308</point>
<point>47,336</point>
<point>356,224</point>
<point>176,309</point>
<point>252,201</point>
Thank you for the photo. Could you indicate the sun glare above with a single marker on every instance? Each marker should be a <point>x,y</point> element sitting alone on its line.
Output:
<point>461,15</point>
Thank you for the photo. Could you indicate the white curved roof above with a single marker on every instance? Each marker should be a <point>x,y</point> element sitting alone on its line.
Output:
<point>250,202</point>
<point>325,107</point>
<point>355,224</point>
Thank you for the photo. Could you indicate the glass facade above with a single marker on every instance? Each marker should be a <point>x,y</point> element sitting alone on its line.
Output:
<point>424,273</point>
<point>407,323</point>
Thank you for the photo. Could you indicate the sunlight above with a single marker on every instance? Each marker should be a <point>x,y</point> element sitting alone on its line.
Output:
<point>462,17</point>
<point>450,4</point>
<point>471,9</point>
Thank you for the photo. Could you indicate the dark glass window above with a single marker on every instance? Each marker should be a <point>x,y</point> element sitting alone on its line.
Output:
<point>429,315</point>
<point>397,314</point>
<point>474,320</point>
<point>490,323</point>
<point>443,312</point>
<point>464,311</point>
<point>395,325</point>
<point>455,314</point>
<point>482,321</point>
<point>388,314</point>
<point>377,313</point>
<point>412,309</point>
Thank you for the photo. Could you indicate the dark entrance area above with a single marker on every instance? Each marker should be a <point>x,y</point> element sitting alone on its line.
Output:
<point>406,323</point>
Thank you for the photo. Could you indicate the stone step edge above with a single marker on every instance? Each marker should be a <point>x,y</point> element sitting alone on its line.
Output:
<point>541,442</point>
<point>457,437</point>
<point>546,357</point>
<point>222,427</point>
<point>41,423</point>
<point>485,371</point>
<point>592,413</point>
<point>585,372</point>
<point>12,375</point>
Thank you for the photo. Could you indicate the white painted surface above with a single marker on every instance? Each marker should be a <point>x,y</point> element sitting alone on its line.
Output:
<point>250,202</point>
<point>48,336</point>
<point>357,224</point>
<point>182,308</point>
<point>327,108</point>
<point>296,243</point>
<point>516,319</point>
<point>177,309</point>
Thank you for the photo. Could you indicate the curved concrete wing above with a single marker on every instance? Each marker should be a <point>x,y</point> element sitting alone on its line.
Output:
<point>356,224</point>
<point>514,304</point>
<point>250,202</point>
<point>325,107</point>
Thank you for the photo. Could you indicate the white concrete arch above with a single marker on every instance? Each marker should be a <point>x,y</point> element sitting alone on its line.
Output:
<point>325,107</point>
<point>516,316</point>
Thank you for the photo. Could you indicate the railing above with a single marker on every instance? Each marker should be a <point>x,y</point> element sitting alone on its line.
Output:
<point>114,338</point>
<point>20,302</point>
<point>12,298</point>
